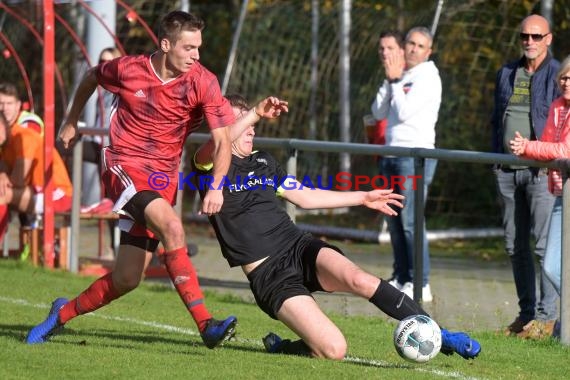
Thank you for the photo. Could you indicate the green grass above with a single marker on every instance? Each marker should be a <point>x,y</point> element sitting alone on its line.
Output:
<point>148,335</point>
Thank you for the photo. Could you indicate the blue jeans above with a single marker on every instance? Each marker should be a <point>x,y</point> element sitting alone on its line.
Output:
<point>527,205</point>
<point>553,255</point>
<point>401,226</point>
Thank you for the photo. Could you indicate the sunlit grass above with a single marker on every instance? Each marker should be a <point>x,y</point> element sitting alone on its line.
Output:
<point>148,335</point>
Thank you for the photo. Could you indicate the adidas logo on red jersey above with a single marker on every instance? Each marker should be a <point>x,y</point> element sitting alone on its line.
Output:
<point>140,94</point>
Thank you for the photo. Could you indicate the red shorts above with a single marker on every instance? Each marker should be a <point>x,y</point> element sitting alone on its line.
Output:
<point>123,182</point>
<point>61,202</point>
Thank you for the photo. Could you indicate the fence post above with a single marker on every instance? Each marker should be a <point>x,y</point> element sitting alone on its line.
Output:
<point>291,170</point>
<point>565,266</point>
<point>419,166</point>
<point>73,255</point>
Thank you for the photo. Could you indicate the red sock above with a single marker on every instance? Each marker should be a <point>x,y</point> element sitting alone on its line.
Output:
<point>4,216</point>
<point>185,280</point>
<point>99,294</point>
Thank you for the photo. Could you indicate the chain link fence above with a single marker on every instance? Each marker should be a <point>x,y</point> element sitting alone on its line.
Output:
<point>474,38</point>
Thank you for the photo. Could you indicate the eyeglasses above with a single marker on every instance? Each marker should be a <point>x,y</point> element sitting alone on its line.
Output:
<point>564,79</point>
<point>535,36</point>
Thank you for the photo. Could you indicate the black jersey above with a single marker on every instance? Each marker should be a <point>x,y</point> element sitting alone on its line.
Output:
<point>252,223</point>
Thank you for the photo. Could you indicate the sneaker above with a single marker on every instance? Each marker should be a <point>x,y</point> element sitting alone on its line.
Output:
<point>51,326</point>
<point>515,328</point>
<point>459,342</point>
<point>408,289</point>
<point>216,332</point>
<point>394,282</point>
<point>104,206</point>
<point>272,343</point>
<point>537,330</point>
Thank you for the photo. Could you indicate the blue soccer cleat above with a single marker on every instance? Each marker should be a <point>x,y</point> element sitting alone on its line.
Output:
<point>216,332</point>
<point>272,343</point>
<point>51,326</point>
<point>459,342</point>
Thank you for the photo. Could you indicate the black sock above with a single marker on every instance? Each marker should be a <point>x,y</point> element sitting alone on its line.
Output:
<point>394,302</point>
<point>297,347</point>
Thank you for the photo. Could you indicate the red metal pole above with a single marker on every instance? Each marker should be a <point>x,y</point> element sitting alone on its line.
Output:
<point>49,120</point>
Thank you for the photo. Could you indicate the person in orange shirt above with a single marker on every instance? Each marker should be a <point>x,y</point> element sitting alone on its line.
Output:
<point>11,106</point>
<point>22,173</point>
<point>16,113</point>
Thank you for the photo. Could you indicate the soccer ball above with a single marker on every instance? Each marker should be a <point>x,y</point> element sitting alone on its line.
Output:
<point>417,338</point>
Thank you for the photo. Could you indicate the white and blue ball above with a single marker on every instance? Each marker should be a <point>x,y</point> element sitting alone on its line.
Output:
<point>417,338</point>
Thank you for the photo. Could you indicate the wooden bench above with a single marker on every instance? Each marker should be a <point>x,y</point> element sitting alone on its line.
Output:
<point>33,237</point>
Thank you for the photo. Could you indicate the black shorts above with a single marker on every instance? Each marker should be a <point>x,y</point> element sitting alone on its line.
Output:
<point>291,274</point>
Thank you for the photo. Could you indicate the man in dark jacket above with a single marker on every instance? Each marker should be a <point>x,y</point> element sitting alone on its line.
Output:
<point>523,93</point>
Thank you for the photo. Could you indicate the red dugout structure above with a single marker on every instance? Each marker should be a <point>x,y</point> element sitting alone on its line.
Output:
<point>42,45</point>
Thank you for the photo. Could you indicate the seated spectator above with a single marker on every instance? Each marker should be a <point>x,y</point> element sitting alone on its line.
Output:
<point>12,107</point>
<point>22,173</point>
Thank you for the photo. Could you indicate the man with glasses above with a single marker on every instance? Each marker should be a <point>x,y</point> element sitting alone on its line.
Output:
<point>524,90</point>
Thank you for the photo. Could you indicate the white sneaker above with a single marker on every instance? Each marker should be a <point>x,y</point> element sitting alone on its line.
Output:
<point>408,289</point>
<point>394,282</point>
<point>426,293</point>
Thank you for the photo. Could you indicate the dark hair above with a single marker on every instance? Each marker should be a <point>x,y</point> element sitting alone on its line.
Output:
<point>238,101</point>
<point>177,22</point>
<point>396,34</point>
<point>9,89</point>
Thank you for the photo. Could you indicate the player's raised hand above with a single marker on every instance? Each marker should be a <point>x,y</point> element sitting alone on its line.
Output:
<point>271,107</point>
<point>381,200</point>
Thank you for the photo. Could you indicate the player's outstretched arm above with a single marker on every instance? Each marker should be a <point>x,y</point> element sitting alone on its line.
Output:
<point>68,133</point>
<point>309,198</point>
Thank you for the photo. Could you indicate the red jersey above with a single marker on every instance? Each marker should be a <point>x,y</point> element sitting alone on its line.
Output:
<point>154,117</point>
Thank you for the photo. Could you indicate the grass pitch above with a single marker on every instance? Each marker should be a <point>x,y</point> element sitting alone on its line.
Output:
<point>148,335</point>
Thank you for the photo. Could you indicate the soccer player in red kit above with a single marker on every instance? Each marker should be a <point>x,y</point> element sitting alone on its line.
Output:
<point>161,99</point>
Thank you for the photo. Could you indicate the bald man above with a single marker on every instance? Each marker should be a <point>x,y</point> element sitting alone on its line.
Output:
<point>524,90</point>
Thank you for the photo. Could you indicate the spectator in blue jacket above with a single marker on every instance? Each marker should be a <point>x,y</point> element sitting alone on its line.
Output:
<point>524,90</point>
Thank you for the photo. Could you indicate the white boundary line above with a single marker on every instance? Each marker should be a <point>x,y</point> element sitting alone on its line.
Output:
<point>191,332</point>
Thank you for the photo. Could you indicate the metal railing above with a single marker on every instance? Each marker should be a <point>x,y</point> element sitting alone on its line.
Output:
<point>292,146</point>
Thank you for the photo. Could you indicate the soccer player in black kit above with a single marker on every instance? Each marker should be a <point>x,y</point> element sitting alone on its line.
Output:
<point>283,264</point>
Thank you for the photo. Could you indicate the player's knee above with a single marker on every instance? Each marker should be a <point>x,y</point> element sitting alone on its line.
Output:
<point>359,279</point>
<point>334,349</point>
<point>125,282</point>
<point>173,230</point>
